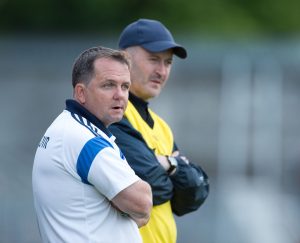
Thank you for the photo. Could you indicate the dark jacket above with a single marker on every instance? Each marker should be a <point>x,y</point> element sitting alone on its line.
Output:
<point>187,188</point>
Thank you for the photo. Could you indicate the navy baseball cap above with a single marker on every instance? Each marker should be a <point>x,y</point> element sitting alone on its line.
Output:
<point>151,35</point>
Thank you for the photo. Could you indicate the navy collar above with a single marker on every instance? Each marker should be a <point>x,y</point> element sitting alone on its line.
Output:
<point>136,101</point>
<point>74,107</point>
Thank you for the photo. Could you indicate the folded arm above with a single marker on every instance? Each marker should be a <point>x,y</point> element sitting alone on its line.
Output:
<point>135,201</point>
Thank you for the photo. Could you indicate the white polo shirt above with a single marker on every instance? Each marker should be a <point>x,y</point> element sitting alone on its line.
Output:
<point>77,170</point>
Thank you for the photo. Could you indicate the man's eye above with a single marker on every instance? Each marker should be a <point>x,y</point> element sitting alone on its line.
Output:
<point>153,59</point>
<point>125,86</point>
<point>169,62</point>
<point>108,85</point>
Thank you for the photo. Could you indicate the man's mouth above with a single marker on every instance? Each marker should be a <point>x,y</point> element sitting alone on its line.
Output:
<point>156,81</point>
<point>117,107</point>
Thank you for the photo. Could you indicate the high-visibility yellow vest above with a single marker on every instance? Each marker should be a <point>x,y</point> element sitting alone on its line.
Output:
<point>161,227</point>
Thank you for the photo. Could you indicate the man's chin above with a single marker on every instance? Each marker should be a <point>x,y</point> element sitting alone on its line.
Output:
<point>154,92</point>
<point>117,118</point>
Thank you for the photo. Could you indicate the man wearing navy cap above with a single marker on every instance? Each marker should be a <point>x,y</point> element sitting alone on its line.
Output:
<point>178,186</point>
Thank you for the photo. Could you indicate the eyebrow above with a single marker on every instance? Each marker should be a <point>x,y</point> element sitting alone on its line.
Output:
<point>158,56</point>
<point>115,82</point>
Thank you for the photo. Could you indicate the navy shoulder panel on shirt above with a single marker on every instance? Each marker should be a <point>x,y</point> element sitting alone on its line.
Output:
<point>88,154</point>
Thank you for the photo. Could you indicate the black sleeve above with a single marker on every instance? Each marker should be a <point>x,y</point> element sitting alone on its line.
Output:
<point>143,160</point>
<point>191,187</point>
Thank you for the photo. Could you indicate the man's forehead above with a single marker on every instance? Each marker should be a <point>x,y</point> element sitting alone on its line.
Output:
<point>163,54</point>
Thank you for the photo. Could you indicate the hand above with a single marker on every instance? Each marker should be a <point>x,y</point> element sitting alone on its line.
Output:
<point>163,161</point>
<point>177,154</point>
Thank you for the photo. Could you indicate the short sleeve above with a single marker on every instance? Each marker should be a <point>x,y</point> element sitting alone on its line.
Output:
<point>110,173</point>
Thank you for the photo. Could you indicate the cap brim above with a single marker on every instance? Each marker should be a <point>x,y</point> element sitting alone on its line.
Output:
<point>159,46</point>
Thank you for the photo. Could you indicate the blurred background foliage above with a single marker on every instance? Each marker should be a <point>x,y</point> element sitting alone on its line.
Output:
<point>205,17</point>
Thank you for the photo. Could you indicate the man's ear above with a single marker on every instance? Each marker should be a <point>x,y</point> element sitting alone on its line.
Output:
<point>79,92</point>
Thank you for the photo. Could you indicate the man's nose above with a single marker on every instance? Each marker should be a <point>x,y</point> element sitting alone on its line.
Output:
<point>120,92</point>
<point>162,69</point>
